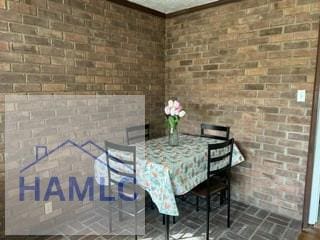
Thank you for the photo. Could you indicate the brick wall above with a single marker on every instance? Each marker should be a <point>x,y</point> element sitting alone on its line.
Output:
<point>80,47</point>
<point>241,65</point>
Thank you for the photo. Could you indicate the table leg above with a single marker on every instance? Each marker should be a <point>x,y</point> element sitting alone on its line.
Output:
<point>167,227</point>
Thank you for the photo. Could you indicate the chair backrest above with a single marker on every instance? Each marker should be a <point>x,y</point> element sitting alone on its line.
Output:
<point>137,134</point>
<point>219,157</point>
<point>211,131</point>
<point>121,162</point>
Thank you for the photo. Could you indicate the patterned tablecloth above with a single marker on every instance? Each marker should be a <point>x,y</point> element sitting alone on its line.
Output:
<point>165,171</point>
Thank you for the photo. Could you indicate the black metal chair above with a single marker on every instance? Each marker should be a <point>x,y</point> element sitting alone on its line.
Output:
<point>218,154</point>
<point>137,134</point>
<point>119,168</point>
<point>209,130</point>
<point>220,133</point>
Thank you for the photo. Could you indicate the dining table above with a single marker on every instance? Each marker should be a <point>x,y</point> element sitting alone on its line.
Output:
<point>166,171</point>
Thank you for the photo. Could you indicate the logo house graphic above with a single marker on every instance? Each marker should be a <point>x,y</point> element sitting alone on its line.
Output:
<point>46,154</point>
<point>75,192</point>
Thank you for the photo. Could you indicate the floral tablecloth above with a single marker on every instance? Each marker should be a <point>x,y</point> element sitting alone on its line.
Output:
<point>165,171</point>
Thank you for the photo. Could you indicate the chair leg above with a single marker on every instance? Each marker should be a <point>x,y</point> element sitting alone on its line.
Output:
<point>110,211</point>
<point>120,212</point>
<point>167,227</point>
<point>110,218</point>
<point>228,217</point>
<point>197,203</point>
<point>163,219</point>
<point>174,220</point>
<point>135,220</point>
<point>208,217</point>
<point>136,229</point>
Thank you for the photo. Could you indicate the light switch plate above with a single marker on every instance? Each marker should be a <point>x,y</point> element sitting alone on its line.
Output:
<point>48,208</point>
<point>301,96</point>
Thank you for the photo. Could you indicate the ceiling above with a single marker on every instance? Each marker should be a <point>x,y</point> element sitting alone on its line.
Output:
<point>170,6</point>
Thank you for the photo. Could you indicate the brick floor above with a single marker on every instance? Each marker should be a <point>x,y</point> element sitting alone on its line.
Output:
<point>248,223</point>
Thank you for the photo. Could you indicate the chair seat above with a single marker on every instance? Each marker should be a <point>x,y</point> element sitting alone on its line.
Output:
<point>216,186</point>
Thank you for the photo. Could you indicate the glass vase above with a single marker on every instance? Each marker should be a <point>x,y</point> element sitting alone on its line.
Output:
<point>173,137</point>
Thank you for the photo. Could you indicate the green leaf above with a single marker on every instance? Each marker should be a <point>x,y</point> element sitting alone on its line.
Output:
<point>172,121</point>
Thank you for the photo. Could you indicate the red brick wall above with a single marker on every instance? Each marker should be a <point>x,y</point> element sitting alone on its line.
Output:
<point>241,65</point>
<point>80,47</point>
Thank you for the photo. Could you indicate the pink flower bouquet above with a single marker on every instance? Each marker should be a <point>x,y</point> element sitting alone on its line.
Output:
<point>174,112</point>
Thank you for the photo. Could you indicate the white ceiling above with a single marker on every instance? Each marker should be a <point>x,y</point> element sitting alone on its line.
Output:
<point>170,6</point>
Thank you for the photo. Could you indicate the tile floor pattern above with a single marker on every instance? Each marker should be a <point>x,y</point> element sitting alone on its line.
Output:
<point>248,223</point>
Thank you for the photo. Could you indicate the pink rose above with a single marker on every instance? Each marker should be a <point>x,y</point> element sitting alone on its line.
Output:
<point>176,104</point>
